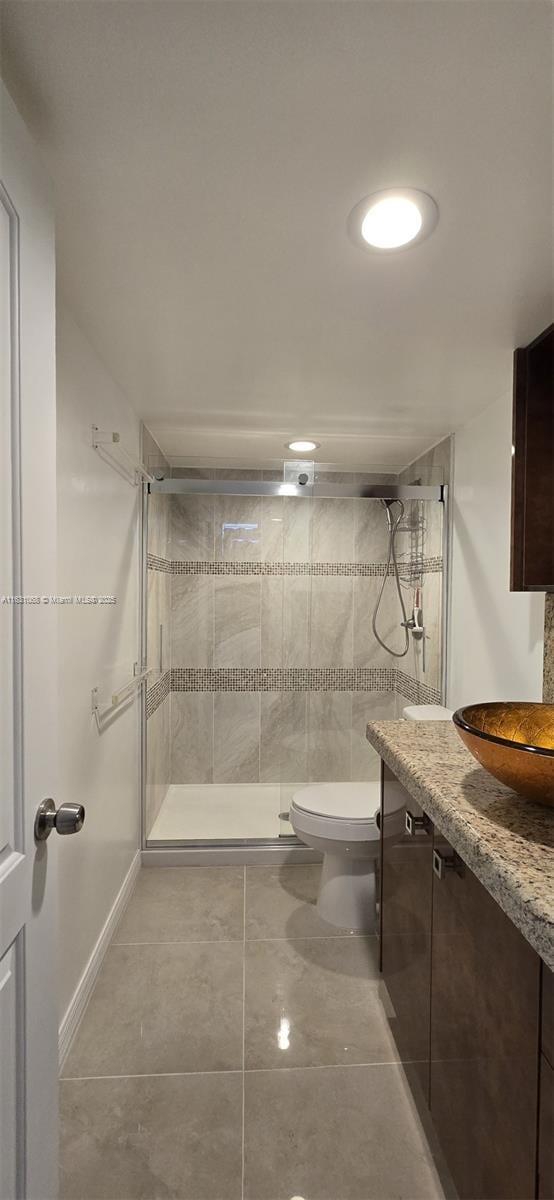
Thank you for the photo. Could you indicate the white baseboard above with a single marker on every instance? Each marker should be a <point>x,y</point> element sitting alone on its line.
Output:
<point>72,1018</point>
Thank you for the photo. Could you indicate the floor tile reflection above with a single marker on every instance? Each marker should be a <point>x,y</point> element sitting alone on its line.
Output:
<point>236,1047</point>
<point>283,980</point>
<point>281,903</point>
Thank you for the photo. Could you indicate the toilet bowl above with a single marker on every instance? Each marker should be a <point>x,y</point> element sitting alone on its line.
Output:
<point>340,819</point>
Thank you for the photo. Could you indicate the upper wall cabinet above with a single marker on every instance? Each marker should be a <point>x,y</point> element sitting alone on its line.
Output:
<point>532,559</point>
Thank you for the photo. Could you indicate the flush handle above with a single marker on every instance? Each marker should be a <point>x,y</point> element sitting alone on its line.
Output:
<point>68,818</point>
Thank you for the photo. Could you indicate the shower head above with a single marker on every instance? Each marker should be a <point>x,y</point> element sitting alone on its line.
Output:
<point>387,505</point>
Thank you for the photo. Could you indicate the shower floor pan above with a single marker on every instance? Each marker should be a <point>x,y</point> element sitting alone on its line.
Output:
<point>223,811</point>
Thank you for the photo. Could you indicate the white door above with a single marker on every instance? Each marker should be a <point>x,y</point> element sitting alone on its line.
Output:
<point>28,1000</point>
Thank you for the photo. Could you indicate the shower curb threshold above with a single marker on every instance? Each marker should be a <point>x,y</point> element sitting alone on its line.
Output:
<point>224,856</point>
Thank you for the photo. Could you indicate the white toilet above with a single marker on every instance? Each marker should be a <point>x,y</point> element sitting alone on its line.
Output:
<point>340,820</point>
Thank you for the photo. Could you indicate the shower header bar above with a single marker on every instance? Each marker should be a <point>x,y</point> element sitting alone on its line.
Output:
<point>317,491</point>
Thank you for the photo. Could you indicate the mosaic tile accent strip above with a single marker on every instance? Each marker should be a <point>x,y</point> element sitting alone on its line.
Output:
<point>157,693</point>
<point>155,563</point>
<point>175,567</point>
<point>415,691</point>
<point>288,679</point>
<point>413,570</point>
<point>282,679</point>
<point>301,679</point>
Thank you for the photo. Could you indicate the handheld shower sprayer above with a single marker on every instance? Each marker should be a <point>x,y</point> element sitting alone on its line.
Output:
<point>387,505</point>
<point>393,522</point>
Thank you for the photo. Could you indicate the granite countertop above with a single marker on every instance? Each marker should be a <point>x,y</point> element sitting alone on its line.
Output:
<point>506,841</point>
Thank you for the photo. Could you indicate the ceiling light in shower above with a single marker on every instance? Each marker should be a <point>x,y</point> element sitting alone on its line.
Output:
<point>394,218</point>
<point>302,447</point>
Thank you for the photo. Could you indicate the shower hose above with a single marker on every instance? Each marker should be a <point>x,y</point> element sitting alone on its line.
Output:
<point>393,523</point>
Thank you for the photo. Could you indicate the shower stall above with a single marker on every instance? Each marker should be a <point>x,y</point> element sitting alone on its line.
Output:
<point>282,610</point>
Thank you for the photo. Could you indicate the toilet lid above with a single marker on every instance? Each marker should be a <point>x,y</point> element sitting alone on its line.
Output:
<point>343,801</point>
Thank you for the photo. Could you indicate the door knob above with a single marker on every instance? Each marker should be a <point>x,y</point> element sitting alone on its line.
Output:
<point>68,818</point>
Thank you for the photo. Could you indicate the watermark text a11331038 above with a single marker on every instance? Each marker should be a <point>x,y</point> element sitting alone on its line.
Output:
<point>59,600</point>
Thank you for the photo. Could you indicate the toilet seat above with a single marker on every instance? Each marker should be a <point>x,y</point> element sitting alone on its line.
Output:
<point>341,812</point>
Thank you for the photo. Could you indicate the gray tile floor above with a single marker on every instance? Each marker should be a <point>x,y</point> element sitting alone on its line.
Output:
<point>236,1048</point>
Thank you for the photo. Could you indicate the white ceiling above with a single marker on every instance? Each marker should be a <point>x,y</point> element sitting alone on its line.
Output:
<point>205,159</point>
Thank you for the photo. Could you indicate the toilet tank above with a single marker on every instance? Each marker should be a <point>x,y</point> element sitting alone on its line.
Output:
<point>426,712</point>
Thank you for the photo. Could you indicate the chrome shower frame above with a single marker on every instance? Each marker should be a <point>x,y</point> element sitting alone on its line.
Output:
<point>315,491</point>
<point>268,850</point>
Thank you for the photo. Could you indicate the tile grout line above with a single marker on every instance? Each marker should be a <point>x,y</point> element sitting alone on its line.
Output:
<point>345,1066</point>
<point>152,1075</point>
<point>187,942</point>
<point>320,937</point>
<point>243,1025</point>
<point>313,937</point>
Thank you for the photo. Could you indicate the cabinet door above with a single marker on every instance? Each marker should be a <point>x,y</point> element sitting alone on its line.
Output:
<point>406,891</point>
<point>546,1132</point>
<point>484,1038</point>
<point>532,558</point>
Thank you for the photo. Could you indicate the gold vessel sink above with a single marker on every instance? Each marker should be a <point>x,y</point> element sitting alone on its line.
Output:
<point>515,742</point>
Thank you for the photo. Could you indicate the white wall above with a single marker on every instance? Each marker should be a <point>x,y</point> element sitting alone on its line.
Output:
<point>97,554</point>
<point>496,636</point>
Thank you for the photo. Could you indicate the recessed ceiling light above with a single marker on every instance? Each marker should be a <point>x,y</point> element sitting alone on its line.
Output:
<point>388,220</point>
<point>302,447</point>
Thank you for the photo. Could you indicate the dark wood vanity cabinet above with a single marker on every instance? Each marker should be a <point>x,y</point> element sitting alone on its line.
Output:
<point>546,1132</point>
<point>406,924</point>
<point>532,554</point>
<point>464,990</point>
<point>484,1037</point>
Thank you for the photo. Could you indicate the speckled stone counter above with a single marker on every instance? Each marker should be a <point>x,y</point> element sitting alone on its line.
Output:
<point>548,675</point>
<point>507,842</point>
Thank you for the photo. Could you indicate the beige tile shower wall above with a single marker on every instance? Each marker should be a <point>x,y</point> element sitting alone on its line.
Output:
<point>158,761</point>
<point>233,615</point>
<point>158,650</point>
<point>288,737</point>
